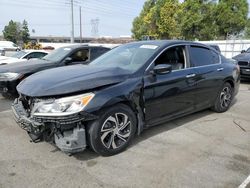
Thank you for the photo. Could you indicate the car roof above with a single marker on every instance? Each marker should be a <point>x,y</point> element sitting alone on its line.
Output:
<point>31,50</point>
<point>163,43</point>
<point>75,46</point>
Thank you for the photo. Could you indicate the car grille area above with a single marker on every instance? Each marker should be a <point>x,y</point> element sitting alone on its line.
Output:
<point>243,63</point>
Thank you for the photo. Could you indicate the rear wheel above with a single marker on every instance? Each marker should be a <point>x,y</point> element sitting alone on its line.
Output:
<point>224,99</point>
<point>113,131</point>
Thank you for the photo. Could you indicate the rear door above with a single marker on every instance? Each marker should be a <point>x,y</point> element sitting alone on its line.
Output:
<point>172,94</point>
<point>209,72</point>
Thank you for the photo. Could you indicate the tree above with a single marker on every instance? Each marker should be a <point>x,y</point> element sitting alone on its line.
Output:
<point>231,16</point>
<point>198,20</point>
<point>169,19</point>
<point>142,23</point>
<point>16,32</point>
<point>247,30</point>
<point>191,19</point>
<point>10,31</point>
<point>25,32</point>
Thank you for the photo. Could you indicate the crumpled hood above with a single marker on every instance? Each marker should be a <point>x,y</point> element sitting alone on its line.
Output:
<point>70,79</point>
<point>28,66</point>
<point>242,57</point>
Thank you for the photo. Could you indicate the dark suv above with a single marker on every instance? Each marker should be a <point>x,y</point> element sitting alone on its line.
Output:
<point>12,74</point>
<point>243,60</point>
<point>130,88</point>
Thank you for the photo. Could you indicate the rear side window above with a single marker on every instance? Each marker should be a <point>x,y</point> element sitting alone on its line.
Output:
<point>35,55</point>
<point>200,56</point>
<point>96,52</point>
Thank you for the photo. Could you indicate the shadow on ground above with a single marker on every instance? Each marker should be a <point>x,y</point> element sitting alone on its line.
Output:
<point>5,104</point>
<point>153,131</point>
<point>150,132</point>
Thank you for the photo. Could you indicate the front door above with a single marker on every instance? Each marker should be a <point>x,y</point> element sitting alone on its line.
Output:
<point>171,94</point>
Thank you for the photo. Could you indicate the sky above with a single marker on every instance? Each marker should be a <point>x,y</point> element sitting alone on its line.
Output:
<point>52,17</point>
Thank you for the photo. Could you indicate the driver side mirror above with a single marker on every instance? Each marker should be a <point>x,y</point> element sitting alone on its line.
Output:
<point>243,51</point>
<point>68,60</point>
<point>162,69</point>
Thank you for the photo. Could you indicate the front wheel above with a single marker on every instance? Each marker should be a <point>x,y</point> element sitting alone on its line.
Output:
<point>224,99</point>
<point>113,131</point>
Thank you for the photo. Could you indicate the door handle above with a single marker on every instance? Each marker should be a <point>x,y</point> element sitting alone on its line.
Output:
<point>190,75</point>
<point>220,69</point>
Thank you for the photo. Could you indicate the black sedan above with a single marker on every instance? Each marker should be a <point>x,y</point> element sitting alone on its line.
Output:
<point>130,88</point>
<point>12,74</point>
<point>243,60</point>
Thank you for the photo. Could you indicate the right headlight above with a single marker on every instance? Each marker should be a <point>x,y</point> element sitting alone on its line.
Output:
<point>9,76</point>
<point>63,106</point>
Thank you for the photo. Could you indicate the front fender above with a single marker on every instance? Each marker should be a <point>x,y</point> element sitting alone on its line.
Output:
<point>129,92</point>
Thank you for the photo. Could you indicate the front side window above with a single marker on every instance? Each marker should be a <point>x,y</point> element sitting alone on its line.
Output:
<point>80,55</point>
<point>174,56</point>
<point>201,56</point>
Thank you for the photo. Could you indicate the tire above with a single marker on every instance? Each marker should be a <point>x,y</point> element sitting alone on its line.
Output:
<point>107,137</point>
<point>7,96</point>
<point>224,99</point>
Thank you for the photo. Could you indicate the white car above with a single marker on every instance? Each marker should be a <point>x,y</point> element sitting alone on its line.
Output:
<point>22,56</point>
<point>9,46</point>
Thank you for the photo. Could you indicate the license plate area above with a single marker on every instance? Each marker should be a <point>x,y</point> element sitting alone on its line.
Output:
<point>245,71</point>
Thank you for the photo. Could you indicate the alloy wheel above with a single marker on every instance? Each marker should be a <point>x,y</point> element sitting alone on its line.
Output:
<point>225,97</point>
<point>115,131</point>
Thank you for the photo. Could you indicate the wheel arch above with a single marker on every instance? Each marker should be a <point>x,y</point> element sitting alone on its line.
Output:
<point>230,81</point>
<point>133,105</point>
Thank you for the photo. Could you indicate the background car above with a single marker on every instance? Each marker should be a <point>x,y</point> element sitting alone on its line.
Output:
<point>9,46</point>
<point>244,63</point>
<point>2,52</point>
<point>130,88</point>
<point>12,74</point>
<point>23,56</point>
<point>215,46</point>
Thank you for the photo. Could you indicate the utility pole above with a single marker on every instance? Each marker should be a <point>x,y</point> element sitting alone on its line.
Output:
<point>80,24</point>
<point>72,22</point>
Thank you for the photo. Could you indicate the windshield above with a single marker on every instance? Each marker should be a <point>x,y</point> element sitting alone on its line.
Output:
<point>130,57</point>
<point>248,50</point>
<point>19,54</point>
<point>58,54</point>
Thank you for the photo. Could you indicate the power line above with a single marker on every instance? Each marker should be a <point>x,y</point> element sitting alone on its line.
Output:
<point>88,9</point>
<point>97,9</point>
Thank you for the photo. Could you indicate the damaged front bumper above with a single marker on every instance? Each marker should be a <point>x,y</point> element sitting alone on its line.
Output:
<point>68,132</point>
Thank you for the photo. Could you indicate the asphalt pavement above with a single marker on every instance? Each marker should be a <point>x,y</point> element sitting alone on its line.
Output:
<point>202,150</point>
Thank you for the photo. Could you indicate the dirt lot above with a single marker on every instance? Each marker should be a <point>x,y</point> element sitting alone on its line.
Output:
<point>201,150</point>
